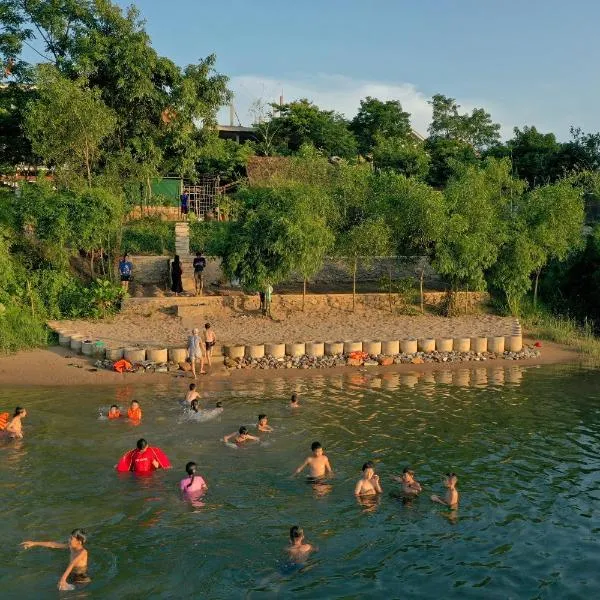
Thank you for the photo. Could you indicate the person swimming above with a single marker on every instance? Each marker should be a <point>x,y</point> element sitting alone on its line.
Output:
<point>76,571</point>
<point>194,406</point>
<point>192,485</point>
<point>143,459</point>
<point>114,412</point>
<point>298,550</point>
<point>14,428</point>
<point>192,394</point>
<point>410,486</point>
<point>135,411</point>
<point>263,424</point>
<point>318,463</point>
<point>241,436</point>
<point>294,401</point>
<point>451,497</point>
<point>368,484</point>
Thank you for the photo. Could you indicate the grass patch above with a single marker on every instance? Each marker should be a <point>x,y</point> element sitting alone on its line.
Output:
<point>20,330</point>
<point>150,235</point>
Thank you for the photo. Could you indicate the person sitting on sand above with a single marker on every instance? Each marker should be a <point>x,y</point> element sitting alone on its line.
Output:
<point>451,497</point>
<point>318,463</point>
<point>263,424</point>
<point>14,429</point>
<point>294,401</point>
<point>76,572</point>
<point>410,486</point>
<point>193,485</point>
<point>298,550</point>
<point>192,394</point>
<point>241,436</point>
<point>368,484</point>
<point>114,412</point>
<point>135,411</point>
<point>210,339</point>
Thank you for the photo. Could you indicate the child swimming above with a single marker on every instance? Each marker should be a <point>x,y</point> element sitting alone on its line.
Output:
<point>241,436</point>
<point>410,486</point>
<point>192,485</point>
<point>14,429</point>
<point>263,424</point>
<point>318,463</point>
<point>192,394</point>
<point>114,412</point>
<point>368,484</point>
<point>76,572</point>
<point>143,459</point>
<point>294,401</point>
<point>135,412</point>
<point>298,550</point>
<point>451,497</point>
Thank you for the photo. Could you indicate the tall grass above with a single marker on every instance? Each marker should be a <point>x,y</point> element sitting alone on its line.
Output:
<point>19,329</point>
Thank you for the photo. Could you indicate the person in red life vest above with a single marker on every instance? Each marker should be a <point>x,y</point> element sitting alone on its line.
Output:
<point>135,412</point>
<point>143,459</point>
<point>114,412</point>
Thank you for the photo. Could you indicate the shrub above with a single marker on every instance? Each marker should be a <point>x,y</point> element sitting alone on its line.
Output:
<point>150,235</point>
<point>20,329</point>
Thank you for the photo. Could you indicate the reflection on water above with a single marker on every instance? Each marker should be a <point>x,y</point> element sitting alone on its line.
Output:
<point>524,443</point>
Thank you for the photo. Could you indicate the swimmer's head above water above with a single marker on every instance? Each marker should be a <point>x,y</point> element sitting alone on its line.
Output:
<point>77,539</point>
<point>20,412</point>
<point>194,405</point>
<point>450,480</point>
<point>219,404</point>
<point>296,533</point>
<point>192,387</point>
<point>190,469</point>
<point>368,469</point>
<point>294,398</point>
<point>316,448</point>
<point>142,444</point>
<point>262,419</point>
<point>243,430</point>
<point>135,404</point>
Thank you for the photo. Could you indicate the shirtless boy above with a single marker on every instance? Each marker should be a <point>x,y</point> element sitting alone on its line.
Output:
<point>410,486</point>
<point>318,463</point>
<point>294,401</point>
<point>298,550</point>
<point>14,429</point>
<point>209,339</point>
<point>451,497</point>
<point>192,394</point>
<point>368,484</point>
<point>241,436</point>
<point>263,424</point>
<point>76,572</point>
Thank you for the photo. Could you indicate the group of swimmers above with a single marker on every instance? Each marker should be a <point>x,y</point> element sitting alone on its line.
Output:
<point>144,459</point>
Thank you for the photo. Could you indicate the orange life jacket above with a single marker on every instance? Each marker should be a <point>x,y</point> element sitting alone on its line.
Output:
<point>115,415</point>
<point>135,414</point>
<point>122,365</point>
<point>4,419</point>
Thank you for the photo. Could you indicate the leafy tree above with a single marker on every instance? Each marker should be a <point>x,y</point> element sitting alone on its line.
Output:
<point>378,120</point>
<point>581,153</point>
<point>67,124</point>
<point>302,122</point>
<point>15,148</point>
<point>225,158</point>
<point>446,157</point>
<point>402,155</point>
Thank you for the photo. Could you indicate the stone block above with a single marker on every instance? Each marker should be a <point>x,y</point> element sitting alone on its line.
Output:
<point>177,355</point>
<point>479,344</point>
<point>515,343</point>
<point>371,348</point>
<point>275,350</point>
<point>295,349</point>
<point>157,355</point>
<point>352,347</point>
<point>426,344</point>
<point>409,346</point>
<point>134,355</point>
<point>390,347</point>
<point>255,351</point>
<point>114,354</point>
<point>462,344</point>
<point>76,343</point>
<point>496,344</point>
<point>235,351</point>
<point>444,344</point>
<point>316,349</point>
<point>333,348</point>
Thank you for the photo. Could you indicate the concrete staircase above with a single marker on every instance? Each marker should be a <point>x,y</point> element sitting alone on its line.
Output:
<point>182,248</point>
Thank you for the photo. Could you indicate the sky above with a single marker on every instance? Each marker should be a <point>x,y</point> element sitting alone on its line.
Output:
<point>527,62</point>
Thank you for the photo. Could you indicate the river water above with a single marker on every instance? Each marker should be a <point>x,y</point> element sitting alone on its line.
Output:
<point>524,442</point>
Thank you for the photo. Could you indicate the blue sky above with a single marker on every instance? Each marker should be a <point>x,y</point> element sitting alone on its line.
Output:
<point>527,62</point>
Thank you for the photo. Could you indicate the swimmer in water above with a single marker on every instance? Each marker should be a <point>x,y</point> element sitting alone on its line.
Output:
<point>368,484</point>
<point>298,550</point>
<point>76,572</point>
<point>451,497</point>
<point>318,463</point>
<point>410,486</point>
<point>241,436</point>
<point>194,406</point>
<point>192,485</point>
<point>192,393</point>
<point>14,429</point>
<point>294,401</point>
<point>135,411</point>
<point>114,412</point>
<point>263,424</point>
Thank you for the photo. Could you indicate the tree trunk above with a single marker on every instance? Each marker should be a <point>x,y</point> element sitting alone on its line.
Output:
<point>421,290</point>
<point>354,284</point>
<point>390,287</point>
<point>303,294</point>
<point>535,287</point>
<point>92,264</point>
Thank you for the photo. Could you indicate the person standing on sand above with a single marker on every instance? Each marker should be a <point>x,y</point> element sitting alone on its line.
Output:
<point>199,266</point>
<point>196,351</point>
<point>268,292</point>
<point>210,339</point>
<point>176,273</point>
<point>125,272</point>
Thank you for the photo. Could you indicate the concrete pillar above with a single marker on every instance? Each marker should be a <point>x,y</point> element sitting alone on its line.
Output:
<point>371,347</point>
<point>64,338</point>
<point>76,343</point>
<point>390,347</point>
<point>295,349</point>
<point>157,355</point>
<point>177,355</point>
<point>461,377</point>
<point>462,344</point>
<point>275,350</point>
<point>409,346</point>
<point>479,344</point>
<point>333,348</point>
<point>316,349</point>
<point>352,347</point>
<point>515,343</point>
<point>87,348</point>
<point>235,351</point>
<point>135,354</point>
<point>443,344</point>
<point>496,344</point>
<point>114,354</point>
<point>255,351</point>
<point>426,345</point>
<point>443,377</point>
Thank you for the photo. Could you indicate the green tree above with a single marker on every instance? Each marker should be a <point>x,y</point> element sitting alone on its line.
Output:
<point>376,120</point>
<point>402,155</point>
<point>446,157</point>
<point>67,124</point>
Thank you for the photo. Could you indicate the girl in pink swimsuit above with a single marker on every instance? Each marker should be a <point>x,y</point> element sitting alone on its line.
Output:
<point>193,485</point>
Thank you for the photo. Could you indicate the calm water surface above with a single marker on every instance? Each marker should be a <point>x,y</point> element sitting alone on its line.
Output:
<point>525,443</point>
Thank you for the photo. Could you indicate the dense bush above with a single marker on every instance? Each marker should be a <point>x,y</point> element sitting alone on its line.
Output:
<point>208,236</point>
<point>150,235</point>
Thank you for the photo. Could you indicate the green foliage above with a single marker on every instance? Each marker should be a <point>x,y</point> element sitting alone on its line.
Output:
<point>401,155</point>
<point>225,158</point>
<point>446,157</point>
<point>19,329</point>
<point>209,237</point>
<point>150,235</point>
